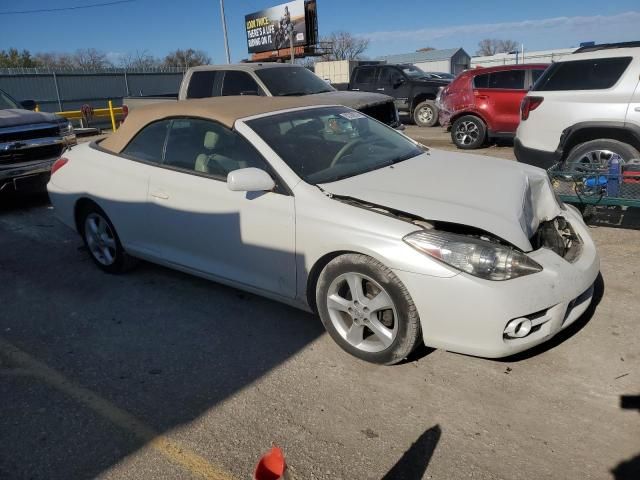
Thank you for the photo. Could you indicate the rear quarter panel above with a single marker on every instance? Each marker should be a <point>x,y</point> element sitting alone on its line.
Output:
<point>116,184</point>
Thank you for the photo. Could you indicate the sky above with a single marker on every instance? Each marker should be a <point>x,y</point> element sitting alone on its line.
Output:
<point>392,26</point>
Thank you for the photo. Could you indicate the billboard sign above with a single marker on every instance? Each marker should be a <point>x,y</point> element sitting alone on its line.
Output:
<point>270,29</point>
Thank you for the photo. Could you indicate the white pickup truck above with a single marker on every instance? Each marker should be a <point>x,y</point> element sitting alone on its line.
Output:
<point>272,80</point>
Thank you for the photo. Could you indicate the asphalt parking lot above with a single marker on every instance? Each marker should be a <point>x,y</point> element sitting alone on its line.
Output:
<point>156,374</point>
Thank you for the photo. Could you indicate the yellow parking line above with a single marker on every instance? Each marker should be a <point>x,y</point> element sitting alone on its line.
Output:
<point>171,450</point>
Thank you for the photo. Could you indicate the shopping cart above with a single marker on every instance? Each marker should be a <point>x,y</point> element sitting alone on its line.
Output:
<point>611,182</point>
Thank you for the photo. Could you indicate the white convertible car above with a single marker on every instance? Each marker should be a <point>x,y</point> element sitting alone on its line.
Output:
<point>329,210</point>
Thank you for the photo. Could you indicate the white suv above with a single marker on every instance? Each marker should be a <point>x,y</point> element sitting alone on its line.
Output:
<point>583,109</point>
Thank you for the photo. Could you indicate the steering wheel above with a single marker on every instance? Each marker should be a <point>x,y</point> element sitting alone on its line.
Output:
<point>346,149</point>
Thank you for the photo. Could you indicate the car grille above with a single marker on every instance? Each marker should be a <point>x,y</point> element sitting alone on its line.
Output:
<point>31,133</point>
<point>558,235</point>
<point>30,154</point>
<point>384,112</point>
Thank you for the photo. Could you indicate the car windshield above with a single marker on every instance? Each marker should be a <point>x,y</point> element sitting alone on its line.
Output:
<point>6,101</point>
<point>413,71</point>
<point>326,144</point>
<point>292,81</point>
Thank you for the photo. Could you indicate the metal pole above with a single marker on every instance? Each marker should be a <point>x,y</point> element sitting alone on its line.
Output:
<point>55,82</point>
<point>126,83</point>
<point>224,31</point>
<point>293,55</point>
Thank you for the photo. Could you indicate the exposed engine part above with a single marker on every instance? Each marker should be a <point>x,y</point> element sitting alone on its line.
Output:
<point>558,235</point>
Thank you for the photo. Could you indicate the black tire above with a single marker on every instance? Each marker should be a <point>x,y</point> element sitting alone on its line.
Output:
<point>406,323</point>
<point>121,260</point>
<point>468,132</point>
<point>426,114</point>
<point>585,155</point>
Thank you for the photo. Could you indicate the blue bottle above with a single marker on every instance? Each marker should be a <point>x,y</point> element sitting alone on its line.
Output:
<point>613,183</point>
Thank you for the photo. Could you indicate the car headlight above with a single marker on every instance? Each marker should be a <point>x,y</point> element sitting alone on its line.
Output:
<point>483,259</point>
<point>66,129</point>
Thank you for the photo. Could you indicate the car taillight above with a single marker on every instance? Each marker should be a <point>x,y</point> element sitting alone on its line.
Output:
<point>125,113</point>
<point>529,104</point>
<point>58,164</point>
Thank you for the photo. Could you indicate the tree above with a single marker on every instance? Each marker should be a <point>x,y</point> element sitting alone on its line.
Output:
<point>55,61</point>
<point>12,58</point>
<point>344,46</point>
<point>425,49</point>
<point>90,59</point>
<point>491,46</point>
<point>140,60</point>
<point>186,58</point>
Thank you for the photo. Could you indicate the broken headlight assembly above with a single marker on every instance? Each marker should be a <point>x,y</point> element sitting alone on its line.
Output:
<point>475,256</point>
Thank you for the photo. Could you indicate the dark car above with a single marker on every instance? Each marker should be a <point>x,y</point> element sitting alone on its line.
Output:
<point>484,103</point>
<point>29,143</point>
<point>413,91</point>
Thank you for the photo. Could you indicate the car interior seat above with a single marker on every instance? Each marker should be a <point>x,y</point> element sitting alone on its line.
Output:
<point>216,158</point>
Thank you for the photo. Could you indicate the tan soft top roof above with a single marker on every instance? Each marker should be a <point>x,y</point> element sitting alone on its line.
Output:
<point>224,110</point>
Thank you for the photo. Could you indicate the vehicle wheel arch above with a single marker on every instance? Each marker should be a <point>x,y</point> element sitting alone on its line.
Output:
<point>81,205</point>
<point>462,113</point>
<point>321,262</point>
<point>421,97</point>
<point>582,133</point>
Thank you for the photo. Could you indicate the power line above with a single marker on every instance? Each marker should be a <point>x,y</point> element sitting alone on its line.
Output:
<point>60,9</point>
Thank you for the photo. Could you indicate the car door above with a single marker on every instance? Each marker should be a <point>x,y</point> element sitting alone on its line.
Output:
<point>505,91</point>
<point>198,223</point>
<point>364,79</point>
<point>392,82</point>
<point>633,111</point>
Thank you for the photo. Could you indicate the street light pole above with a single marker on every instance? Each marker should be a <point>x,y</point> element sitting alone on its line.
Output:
<point>224,31</point>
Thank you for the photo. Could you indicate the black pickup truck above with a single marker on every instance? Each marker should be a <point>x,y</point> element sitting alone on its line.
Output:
<point>413,90</point>
<point>29,143</point>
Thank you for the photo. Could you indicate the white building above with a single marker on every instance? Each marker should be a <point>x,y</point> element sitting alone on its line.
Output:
<point>540,56</point>
<point>449,60</point>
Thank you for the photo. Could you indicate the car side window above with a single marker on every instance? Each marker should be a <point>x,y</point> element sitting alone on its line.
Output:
<point>481,81</point>
<point>389,76</point>
<point>239,83</point>
<point>204,84</point>
<point>592,74</point>
<point>508,79</point>
<point>365,75</point>
<point>206,147</point>
<point>535,75</point>
<point>148,144</point>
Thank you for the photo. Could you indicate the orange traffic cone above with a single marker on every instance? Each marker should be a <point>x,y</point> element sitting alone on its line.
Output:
<point>271,466</point>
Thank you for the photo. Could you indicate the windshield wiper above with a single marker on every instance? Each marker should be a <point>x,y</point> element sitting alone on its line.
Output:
<point>292,94</point>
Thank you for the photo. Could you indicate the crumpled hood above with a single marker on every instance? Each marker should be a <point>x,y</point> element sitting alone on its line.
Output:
<point>505,198</point>
<point>13,117</point>
<point>354,100</point>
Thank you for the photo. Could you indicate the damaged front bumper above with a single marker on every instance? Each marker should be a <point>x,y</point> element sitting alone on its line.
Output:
<point>470,315</point>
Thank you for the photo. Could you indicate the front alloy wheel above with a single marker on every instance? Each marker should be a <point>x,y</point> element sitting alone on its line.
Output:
<point>362,312</point>
<point>367,310</point>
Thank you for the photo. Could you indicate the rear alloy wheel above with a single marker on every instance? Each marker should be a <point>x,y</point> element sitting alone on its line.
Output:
<point>468,132</point>
<point>367,310</point>
<point>426,114</point>
<point>596,154</point>
<point>102,241</point>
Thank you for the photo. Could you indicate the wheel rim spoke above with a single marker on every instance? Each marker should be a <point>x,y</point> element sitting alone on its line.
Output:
<point>355,335</point>
<point>381,332</point>
<point>336,302</point>
<point>355,286</point>
<point>382,301</point>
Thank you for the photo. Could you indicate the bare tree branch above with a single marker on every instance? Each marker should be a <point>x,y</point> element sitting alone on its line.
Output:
<point>345,46</point>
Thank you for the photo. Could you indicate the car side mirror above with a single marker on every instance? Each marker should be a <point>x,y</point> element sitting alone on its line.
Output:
<point>399,81</point>
<point>28,104</point>
<point>250,180</point>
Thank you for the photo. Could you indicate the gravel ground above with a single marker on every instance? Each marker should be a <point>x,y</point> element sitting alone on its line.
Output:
<point>156,374</point>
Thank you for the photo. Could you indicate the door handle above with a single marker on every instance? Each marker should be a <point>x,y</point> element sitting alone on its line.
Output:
<point>355,89</point>
<point>637,109</point>
<point>380,89</point>
<point>160,195</point>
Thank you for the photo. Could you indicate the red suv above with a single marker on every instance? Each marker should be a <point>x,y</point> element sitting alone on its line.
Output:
<point>485,102</point>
